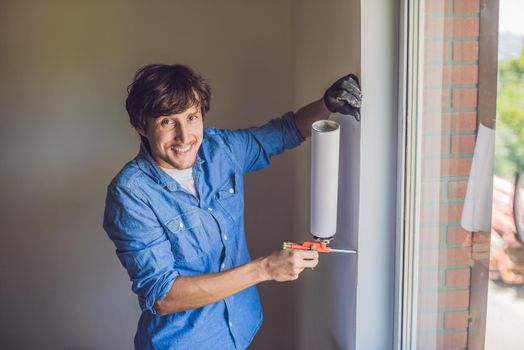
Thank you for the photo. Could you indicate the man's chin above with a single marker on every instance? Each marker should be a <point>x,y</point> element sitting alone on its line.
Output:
<point>181,165</point>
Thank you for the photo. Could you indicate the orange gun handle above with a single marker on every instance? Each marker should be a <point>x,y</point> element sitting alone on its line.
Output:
<point>299,247</point>
<point>317,246</point>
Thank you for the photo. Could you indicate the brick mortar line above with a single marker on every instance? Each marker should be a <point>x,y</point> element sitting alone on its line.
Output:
<point>442,320</point>
<point>449,178</point>
<point>448,289</point>
<point>445,268</point>
<point>459,109</point>
<point>450,133</point>
<point>446,156</point>
<point>444,246</point>
<point>444,331</point>
<point>443,201</point>
<point>449,99</point>
<point>452,62</point>
<point>436,110</point>
<point>434,311</point>
<point>462,39</point>
<point>445,86</point>
<point>446,15</point>
<point>449,86</point>
<point>450,50</point>
<point>451,37</point>
<point>434,224</point>
<point>454,309</point>
<point>442,224</point>
<point>437,203</point>
<point>427,291</point>
<point>453,200</point>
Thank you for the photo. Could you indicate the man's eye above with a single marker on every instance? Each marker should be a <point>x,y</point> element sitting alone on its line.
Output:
<point>167,122</point>
<point>192,117</point>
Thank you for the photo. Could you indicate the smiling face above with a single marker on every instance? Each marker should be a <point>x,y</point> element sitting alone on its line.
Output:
<point>174,140</point>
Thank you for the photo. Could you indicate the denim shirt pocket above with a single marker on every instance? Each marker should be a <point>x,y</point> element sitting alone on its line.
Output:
<point>230,197</point>
<point>187,237</point>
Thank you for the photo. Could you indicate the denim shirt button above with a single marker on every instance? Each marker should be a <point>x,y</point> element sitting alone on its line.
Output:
<point>210,210</point>
<point>225,237</point>
<point>231,190</point>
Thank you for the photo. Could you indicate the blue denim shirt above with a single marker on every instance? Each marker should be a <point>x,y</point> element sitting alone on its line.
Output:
<point>161,231</point>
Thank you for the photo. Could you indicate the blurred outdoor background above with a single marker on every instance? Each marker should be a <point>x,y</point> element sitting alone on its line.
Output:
<point>505,314</point>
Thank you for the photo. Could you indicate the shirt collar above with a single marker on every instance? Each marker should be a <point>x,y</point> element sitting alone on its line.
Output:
<point>149,166</point>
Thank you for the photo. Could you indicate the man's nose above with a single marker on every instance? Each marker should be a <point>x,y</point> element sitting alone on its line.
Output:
<point>181,133</point>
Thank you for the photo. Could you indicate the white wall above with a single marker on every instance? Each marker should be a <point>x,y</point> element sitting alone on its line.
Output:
<point>378,169</point>
<point>65,67</point>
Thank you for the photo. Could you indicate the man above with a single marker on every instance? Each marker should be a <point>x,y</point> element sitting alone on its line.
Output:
<point>176,211</point>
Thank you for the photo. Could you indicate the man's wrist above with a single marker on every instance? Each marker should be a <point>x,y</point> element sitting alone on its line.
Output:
<point>261,268</point>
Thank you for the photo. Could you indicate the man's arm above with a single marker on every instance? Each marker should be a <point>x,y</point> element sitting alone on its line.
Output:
<point>145,252</point>
<point>191,292</point>
<point>309,114</point>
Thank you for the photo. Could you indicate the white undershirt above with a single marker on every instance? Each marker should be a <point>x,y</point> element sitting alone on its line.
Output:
<point>183,177</point>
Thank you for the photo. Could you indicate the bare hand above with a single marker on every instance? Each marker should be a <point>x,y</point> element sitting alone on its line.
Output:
<point>286,265</point>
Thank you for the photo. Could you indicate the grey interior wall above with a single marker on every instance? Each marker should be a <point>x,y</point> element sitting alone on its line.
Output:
<point>330,40</point>
<point>64,69</point>
<point>326,46</point>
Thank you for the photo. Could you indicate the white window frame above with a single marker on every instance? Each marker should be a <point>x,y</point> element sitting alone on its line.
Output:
<point>409,172</point>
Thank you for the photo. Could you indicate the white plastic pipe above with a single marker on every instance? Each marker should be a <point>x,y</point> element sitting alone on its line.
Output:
<point>325,146</point>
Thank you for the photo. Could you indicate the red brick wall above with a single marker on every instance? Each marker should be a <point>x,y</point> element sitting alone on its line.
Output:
<point>449,122</point>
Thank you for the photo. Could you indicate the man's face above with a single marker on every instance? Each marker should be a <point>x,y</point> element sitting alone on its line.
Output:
<point>174,140</point>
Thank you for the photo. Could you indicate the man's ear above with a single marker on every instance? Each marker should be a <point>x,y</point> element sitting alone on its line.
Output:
<point>141,132</point>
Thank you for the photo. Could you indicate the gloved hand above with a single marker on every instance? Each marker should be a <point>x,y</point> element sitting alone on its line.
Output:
<point>344,96</point>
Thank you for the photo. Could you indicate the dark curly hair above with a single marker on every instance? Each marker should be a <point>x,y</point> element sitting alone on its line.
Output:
<point>161,89</point>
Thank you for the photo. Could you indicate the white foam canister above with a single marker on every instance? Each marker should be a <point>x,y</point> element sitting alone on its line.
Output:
<point>325,149</point>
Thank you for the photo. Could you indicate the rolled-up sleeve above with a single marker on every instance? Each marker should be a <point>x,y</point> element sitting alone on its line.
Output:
<point>254,147</point>
<point>141,245</point>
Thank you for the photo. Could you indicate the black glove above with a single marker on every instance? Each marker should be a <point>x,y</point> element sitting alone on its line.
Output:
<point>344,96</point>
